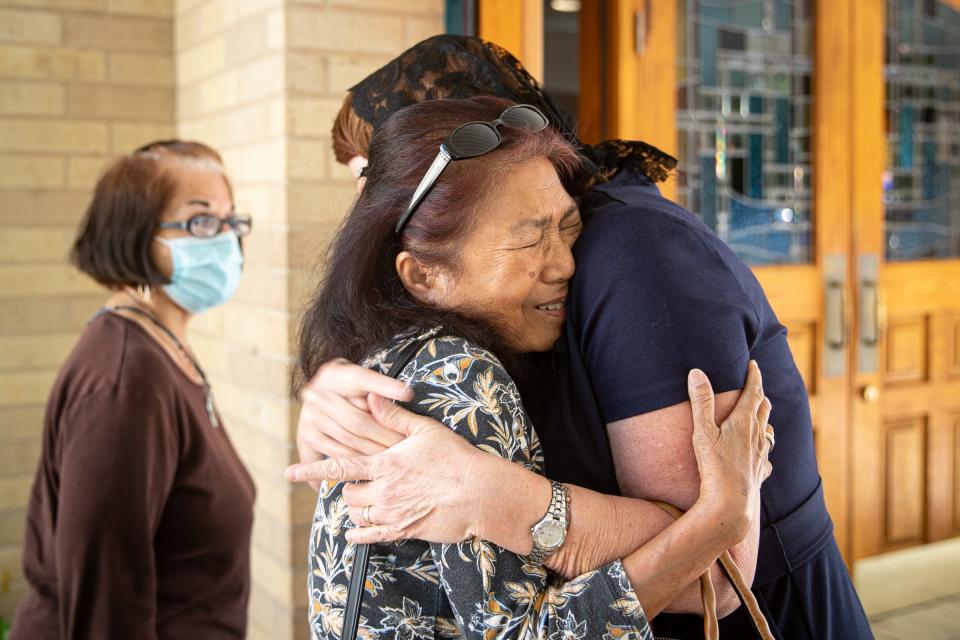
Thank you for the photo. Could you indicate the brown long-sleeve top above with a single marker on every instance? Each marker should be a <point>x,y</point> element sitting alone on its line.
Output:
<point>140,517</point>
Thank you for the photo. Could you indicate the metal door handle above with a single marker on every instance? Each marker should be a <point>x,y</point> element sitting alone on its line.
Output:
<point>872,312</point>
<point>835,320</point>
<point>641,27</point>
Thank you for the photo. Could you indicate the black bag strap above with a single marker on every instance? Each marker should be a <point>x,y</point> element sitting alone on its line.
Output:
<point>351,617</point>
<point>361,552</point>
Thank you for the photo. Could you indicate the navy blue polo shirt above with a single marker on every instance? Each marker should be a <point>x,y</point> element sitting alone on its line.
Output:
<point>657,293</point>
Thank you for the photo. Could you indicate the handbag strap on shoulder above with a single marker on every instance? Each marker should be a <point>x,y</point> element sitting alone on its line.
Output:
<point>361,552</point>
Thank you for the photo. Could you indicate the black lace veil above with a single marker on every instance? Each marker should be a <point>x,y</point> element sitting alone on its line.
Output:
<point>450,66</point>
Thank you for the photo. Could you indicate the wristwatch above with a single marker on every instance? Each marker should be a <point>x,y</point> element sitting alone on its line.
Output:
<point>550,533</point>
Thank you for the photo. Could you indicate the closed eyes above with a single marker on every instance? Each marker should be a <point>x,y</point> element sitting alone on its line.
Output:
<point>570,222</point>
<point>532,245</point>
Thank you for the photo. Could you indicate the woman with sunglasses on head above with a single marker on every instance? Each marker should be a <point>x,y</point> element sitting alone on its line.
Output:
<point>656,294</point>
<point>141,512</point>
<point>453,262</point>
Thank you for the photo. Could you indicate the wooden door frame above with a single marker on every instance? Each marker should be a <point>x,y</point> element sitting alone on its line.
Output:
<point>593,78</point>
<point>517,26</point>
<point>831,147</point>
<point>640,60</point>
<point>868,146</point>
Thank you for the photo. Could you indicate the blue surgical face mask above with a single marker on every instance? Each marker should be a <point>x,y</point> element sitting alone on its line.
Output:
<point>206,271</point>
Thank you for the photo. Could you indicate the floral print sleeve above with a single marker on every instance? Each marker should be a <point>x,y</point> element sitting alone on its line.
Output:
<point>473,589</point>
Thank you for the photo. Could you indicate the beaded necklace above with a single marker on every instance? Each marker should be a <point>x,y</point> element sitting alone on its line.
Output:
<point>207,391</point>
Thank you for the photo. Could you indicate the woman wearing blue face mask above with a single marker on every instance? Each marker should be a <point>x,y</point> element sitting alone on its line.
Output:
<point>141,512</point>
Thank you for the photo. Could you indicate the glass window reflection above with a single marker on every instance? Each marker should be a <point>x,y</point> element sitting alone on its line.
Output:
<point>744,122</point>
<point>921,185</point>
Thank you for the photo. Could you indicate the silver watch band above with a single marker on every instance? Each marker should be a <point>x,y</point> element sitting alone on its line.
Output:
<point>556,512</point>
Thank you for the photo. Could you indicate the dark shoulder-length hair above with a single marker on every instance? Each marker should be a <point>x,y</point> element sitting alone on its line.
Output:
<point>360,303</point>
<point>113,243</point>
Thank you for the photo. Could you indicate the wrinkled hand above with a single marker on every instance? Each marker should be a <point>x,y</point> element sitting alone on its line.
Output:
<point>335,420</point>
<point>732,458</point>
<point>421,487</point>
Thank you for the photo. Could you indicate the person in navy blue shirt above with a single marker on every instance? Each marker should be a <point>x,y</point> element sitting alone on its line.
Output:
<point>656,293</point>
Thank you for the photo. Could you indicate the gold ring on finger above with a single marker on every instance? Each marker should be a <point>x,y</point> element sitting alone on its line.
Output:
<point>768,434</point>
<point>366,515</point>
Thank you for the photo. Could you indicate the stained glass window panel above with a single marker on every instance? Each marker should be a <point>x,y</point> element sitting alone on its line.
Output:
<point>744,123</point>
<point>921,185</point>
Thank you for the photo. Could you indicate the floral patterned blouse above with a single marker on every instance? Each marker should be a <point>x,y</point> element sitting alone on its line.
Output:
<point>472,589</point>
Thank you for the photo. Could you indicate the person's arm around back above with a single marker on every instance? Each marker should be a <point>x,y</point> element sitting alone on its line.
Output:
<point>654,459</point>
<point>448,502</point>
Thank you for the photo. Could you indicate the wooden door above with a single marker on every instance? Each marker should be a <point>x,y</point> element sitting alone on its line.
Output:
<point>906,206</point>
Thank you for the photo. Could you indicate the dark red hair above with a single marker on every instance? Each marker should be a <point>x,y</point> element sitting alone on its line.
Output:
<point>361,303</point>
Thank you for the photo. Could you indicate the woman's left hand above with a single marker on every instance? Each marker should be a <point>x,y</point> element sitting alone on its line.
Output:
<point>424,487</point>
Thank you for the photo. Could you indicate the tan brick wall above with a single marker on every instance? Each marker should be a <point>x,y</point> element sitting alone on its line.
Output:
<point>80,80</point>
<point>230,79</point>
<point>330,47</point>
<point>260,80</point>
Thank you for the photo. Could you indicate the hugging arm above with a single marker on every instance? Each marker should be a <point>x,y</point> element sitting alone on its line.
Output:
<point>667,471</point>
<point>660,556</point>
<point>477,494</point>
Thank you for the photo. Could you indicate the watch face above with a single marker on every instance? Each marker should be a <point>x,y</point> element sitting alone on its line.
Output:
<point>549,534</point>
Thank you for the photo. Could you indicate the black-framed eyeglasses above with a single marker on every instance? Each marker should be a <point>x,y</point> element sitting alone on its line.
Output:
<point>469,141</point>
<point>207,225</point>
